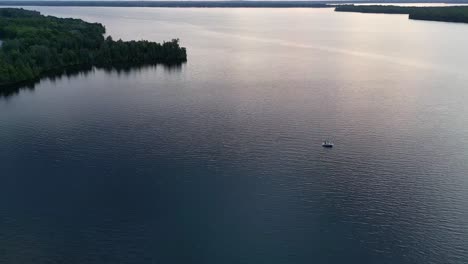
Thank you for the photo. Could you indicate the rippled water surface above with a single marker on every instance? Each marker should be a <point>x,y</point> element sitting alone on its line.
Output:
<point>220,160</point>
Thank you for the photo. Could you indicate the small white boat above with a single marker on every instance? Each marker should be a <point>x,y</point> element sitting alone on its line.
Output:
<point>327,144</point>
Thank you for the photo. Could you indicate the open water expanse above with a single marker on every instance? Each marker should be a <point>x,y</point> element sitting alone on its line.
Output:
<point>219,160</point>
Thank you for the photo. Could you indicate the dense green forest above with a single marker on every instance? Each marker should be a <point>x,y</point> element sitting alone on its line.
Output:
<point>446,14</point>
<point>33,45</point>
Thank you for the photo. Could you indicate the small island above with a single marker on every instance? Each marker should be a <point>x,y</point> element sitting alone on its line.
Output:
<point>444,14</point>
<point>33,45</point>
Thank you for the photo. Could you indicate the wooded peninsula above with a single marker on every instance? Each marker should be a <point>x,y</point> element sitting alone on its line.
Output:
<point>32,45</point>
<point>445,14</point>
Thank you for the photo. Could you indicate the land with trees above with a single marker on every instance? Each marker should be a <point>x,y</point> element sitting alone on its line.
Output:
<point>34,45</point>
<point>446,14</point>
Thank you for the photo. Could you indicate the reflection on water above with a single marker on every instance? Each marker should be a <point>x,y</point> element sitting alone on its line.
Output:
<point>72,72</point>
<point>8,91</point>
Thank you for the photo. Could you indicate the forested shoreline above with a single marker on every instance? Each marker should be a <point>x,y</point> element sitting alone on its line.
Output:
<point>457,14</point>
<point>34,45</point>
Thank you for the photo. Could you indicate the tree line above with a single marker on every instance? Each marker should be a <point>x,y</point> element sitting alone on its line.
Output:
<point>445,14</point>
<point>33,44</point>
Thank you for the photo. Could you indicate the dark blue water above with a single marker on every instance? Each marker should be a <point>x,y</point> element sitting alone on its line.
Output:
<point>220,160</point>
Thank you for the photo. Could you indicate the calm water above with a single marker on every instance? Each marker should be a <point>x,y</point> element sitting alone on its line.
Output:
<point>219,160</point>
<point>416,4</point>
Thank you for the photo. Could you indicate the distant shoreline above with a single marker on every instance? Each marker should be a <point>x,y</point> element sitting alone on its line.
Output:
<point>175,4</point>
<point>456,14</point>
<point>214,4</point>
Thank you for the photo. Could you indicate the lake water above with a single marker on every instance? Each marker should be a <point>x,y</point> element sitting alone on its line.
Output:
<point>416,4</point>
<point>220,160</point>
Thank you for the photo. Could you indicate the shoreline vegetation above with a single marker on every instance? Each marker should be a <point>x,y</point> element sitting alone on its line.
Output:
<point>458,14</point>
<point>35,45</point>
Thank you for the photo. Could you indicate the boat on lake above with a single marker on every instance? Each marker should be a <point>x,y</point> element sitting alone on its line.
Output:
<point>327,144</point>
